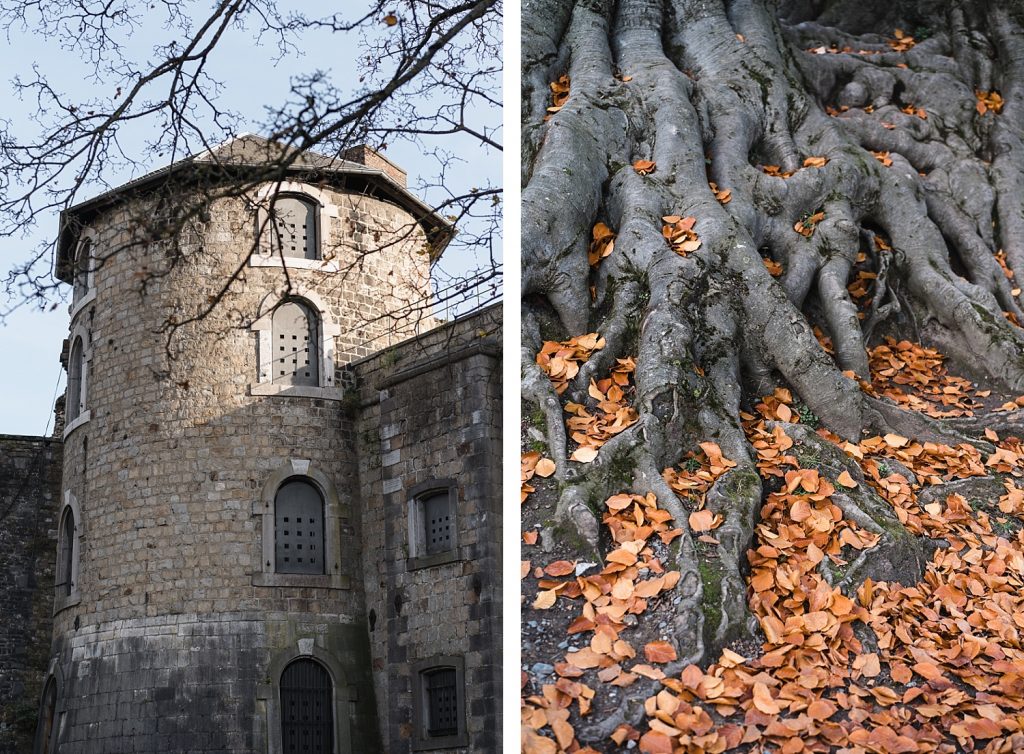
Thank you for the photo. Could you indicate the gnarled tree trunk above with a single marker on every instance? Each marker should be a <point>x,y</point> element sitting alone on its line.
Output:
<point>710,91</point>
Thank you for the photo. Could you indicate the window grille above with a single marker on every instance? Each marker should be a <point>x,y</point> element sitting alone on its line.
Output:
<point>299,528</point>
<point>295,354</point>
<point>294,227</point>
<point>441,702</point>
<point>438,522</point>
<point>76,366</point>
<point>307,719</point>
<point>66,555</point>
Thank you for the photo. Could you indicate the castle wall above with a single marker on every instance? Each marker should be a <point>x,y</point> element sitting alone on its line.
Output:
<point>431,409</point>
<point>29,492</point>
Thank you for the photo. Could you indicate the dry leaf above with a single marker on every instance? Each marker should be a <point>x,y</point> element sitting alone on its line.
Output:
<point>704,520</point>
<point>545,599</point>
<point>584,454</point>
<point>659,652</point>
<point>545,467</point>
<point>644,167</point>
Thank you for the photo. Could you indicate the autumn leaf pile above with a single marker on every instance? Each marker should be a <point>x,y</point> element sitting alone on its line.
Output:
<point>805,226</point>
<point>559,95</point>
<point>560,360</point>
<point>592,427</point>
<point>632,578</point>
<point>988,101</point>
<point>724,196</point>
<point>691,482</point>
<point>901,41</point>
<point>679,233</point>
<point>915,377</point>
<point>947,673</point>
<point>530,465</point>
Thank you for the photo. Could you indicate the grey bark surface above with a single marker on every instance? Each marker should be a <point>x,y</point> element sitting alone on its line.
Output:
<point>714,89</point>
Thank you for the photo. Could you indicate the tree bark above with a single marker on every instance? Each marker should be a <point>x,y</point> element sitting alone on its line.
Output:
<point>710,91</point>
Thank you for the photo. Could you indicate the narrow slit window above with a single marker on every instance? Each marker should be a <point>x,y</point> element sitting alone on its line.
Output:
<point>83,262</point>
<point>76,372</point>
<point>66,553</point>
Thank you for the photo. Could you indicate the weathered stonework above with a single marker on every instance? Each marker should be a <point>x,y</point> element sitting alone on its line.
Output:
<point>431,410</point>
<point>176,631</point>
<point>29,492</point>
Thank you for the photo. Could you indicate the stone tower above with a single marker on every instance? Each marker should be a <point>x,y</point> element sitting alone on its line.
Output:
<point>223,535</point>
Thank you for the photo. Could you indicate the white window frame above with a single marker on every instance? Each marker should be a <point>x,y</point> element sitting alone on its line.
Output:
<point>266,255</point>
<point>62,600</point>
<point>84,414</point>
<point>327,330</point>
<point>334,510</point>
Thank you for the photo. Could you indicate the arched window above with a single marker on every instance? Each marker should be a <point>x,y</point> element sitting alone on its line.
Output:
<point>299,528</point>
<point>83,262</point>
<point>294,227</point>
<point>66,553</point>
<point>294,335</point>
<point>76,370</point>
<point>302,520</point>
<point>307,701</point>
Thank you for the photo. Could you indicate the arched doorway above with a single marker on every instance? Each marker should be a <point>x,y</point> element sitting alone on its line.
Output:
<point>307,703</point>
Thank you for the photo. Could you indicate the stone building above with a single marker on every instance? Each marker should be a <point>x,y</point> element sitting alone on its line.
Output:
<point>30,469</point>
<point>279,522</point>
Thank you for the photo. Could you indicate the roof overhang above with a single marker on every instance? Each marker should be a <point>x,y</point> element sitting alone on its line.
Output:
<point>206,169</point>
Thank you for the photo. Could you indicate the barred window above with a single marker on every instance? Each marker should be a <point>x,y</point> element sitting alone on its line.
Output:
<point>294,227</point>
<point>442,702</point>
<point>438,521</point>
<point>439,703</point>
<point>433,523</point>
<point>294,336</point>
<point>299,528</point>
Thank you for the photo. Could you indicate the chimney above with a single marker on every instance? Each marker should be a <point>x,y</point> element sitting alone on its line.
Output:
<point>365,155</point>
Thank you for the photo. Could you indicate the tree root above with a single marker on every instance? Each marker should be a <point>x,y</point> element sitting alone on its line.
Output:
<point>712,91</point>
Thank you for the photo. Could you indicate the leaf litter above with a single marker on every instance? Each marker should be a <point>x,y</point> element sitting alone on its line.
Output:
<point>945,671</point>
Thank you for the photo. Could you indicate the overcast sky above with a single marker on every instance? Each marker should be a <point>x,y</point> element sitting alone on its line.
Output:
<point>30,341</point>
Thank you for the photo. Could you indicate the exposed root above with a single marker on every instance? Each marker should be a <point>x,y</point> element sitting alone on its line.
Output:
<point>713,91</point>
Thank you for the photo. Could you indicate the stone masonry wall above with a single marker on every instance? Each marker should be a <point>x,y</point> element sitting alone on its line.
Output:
<point>170,641</point>
<point>431,409</point>
<point>29,493</point>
